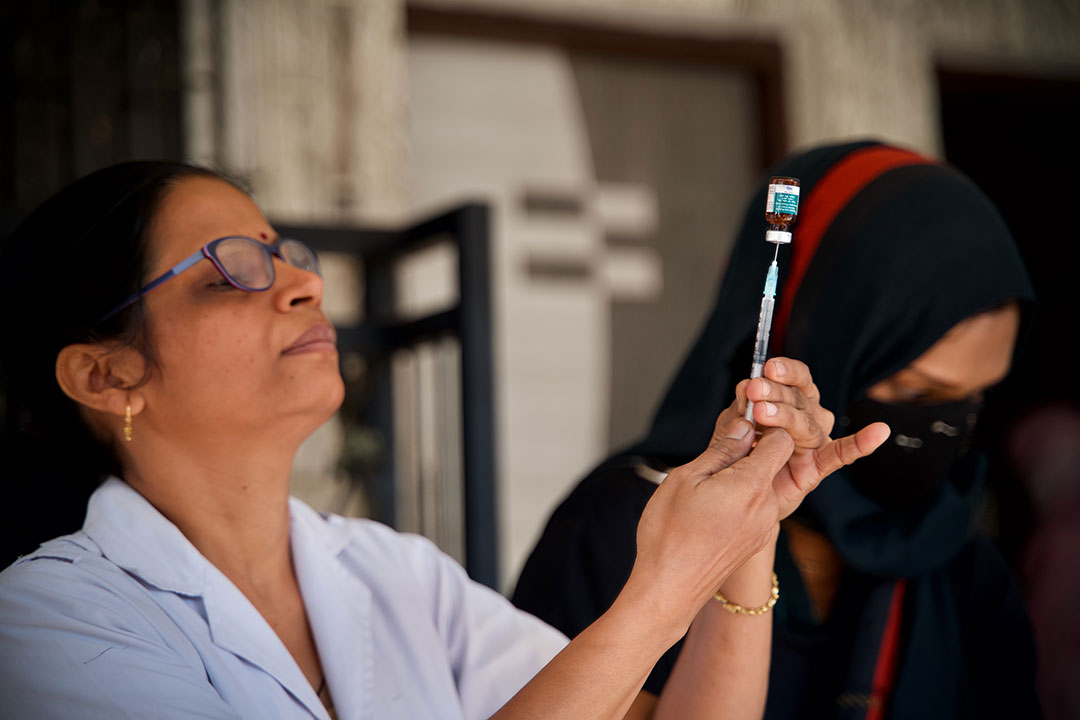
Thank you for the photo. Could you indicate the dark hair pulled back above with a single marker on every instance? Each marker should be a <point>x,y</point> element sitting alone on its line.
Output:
<point>74,258</point>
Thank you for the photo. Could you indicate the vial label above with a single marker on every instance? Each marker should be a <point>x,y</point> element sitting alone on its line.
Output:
<point>783,199</point>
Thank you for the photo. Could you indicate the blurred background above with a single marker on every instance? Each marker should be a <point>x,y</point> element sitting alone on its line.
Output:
<point>524,206</point>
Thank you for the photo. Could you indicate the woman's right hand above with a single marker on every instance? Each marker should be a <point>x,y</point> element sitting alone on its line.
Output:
<point>712,514</point>
<point>706,518</point>
<point>787,397</point>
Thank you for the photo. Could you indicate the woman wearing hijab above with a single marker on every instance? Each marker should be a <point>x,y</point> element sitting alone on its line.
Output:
<point>904,292</point>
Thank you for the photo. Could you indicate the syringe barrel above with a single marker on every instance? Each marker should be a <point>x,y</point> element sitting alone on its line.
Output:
<point>761,346</point>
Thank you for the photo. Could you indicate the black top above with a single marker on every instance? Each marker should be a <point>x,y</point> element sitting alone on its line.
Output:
<point>586,552</point>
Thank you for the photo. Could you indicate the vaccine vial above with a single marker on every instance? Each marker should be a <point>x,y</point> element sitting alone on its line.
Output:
<point>781,207</point>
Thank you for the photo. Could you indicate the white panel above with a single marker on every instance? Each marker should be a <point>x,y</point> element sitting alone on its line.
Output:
<point>490,121</point>
<point>633,274</point>
<point>426,281</point>
<point>627,209</point>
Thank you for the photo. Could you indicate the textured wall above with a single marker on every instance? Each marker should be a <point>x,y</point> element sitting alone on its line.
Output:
<point>305,98</point>
<point>324,137</point>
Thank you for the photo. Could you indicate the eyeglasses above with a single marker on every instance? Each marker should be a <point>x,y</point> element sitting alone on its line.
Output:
<point>244,262</point>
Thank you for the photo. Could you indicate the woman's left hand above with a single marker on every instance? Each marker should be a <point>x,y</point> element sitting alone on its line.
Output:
<point>786,397</point>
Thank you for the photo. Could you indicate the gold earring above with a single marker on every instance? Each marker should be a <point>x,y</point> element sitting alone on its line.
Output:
<point>127,423</point>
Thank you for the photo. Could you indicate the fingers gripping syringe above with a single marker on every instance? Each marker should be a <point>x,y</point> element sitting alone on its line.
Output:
<point>764,324</point>
<point>781,207</point>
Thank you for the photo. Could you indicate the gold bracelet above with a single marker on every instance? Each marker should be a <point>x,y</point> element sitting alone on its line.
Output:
<point>731,607</point>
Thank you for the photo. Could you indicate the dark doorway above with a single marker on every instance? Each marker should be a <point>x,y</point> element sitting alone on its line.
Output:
<point>1015,136</point>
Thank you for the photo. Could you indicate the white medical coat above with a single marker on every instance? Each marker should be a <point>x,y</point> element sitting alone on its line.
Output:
<point>126,619</point>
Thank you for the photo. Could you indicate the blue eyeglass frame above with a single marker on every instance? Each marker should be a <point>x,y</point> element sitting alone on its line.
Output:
<point>208,252</point>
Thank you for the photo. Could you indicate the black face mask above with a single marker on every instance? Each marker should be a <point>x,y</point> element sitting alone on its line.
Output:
<point>914,464</point>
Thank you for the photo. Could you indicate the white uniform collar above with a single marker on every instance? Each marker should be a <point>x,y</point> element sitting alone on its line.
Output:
<point>134,535</point>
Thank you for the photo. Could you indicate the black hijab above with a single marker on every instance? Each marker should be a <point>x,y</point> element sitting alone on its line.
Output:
<point>889,252</point>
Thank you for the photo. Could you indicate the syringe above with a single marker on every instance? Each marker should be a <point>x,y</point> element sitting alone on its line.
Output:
<point>781,207</point>
<point>761,343</point>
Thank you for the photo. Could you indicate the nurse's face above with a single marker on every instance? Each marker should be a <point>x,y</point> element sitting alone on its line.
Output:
<point>233,366</point>
<point>973,356</point>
